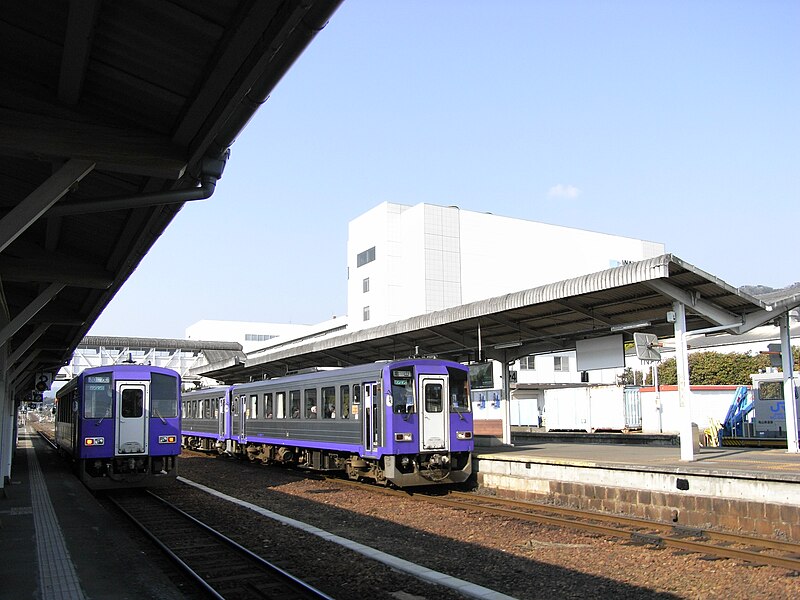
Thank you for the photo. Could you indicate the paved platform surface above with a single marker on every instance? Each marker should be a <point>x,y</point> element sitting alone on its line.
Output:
<point>748,463</point>
<point>58,542</point>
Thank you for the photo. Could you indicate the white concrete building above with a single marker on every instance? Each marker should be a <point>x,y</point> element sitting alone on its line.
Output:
<point>410,260</point>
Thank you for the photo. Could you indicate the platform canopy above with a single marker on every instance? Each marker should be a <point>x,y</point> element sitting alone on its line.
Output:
<point>112,115</point>
<point>635,297</point>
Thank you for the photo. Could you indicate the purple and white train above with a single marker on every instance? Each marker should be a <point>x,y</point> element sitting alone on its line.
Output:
<point>121,425</point>
<point>404,423</point>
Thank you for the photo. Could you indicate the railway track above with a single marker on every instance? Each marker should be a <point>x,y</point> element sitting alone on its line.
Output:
<point>749,549</point>
<point>220,566</point>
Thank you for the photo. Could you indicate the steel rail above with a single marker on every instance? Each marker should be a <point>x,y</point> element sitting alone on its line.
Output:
<point>678,530</point>
<point>581,520</point>
<point>479,503</point>
<point>300,587</point>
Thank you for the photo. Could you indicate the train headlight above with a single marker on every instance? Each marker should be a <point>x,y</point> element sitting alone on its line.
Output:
<point>463,435</point>
<point>94,441</point>
<point>403,437</point>
<point>167,439</point>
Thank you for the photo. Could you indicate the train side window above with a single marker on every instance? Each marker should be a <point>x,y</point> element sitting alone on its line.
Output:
<point>329,402</point>
<point>132,403</point>
<point>294,404</point>
<point>268,406</point>
<point>310,404</point>
<point>207,409</point>
<point>254,406</point>
<point>344,392</point>
<point>280,404</point>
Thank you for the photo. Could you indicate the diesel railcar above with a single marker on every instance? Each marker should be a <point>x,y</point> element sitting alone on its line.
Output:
<point>404,423</point>
<point>120,425</point>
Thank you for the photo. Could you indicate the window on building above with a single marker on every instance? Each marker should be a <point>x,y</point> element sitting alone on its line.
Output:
<point>561,363</point>
<point>258,337</point>
<point>366,313</point>
<point>367,256</point>
<point>365,285</point>
<point>527,363</point>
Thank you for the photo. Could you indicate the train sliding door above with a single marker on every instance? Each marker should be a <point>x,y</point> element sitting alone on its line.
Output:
<point>221,417</point>
<point>373,417</point>
<point>434,413</point>
<point>132,409</point>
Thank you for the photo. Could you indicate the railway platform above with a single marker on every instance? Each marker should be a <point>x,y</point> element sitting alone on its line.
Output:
<point>58,542</point>
<point>749,490</point>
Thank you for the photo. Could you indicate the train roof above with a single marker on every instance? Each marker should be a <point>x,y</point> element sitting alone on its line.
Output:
<point>329,373</point>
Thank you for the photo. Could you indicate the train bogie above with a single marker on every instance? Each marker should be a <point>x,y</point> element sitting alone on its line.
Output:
<point>404,423</point>
<point>120,425</point>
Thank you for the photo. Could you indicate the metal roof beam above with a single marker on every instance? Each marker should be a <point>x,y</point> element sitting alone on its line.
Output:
<point>521,329</point>
<point>42,135</point>
<point>26,314</point>
<point>698,305</point>
<point>55,268</point>
<point>77,44</point>
<point>24,214</point>
<point>575,307</point>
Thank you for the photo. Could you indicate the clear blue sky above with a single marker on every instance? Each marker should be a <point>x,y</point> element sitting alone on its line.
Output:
<point>675,122</point>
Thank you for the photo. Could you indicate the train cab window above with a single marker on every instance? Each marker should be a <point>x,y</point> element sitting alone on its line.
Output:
<point>268,406</point>
<point>253,406</point>
<point>344,393</point>
<point>433,397</point>
<point>294,404</point>
<point>280,404</point>
<point>402,390</point>
<point>310,404</point>
<point>329,402</point>
<point>459,391</point>
<point>164,396</point>
<point>132,403</point>
<point>97,396</point>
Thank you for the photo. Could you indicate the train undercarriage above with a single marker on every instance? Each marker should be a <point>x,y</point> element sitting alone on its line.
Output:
<point>405,470</point>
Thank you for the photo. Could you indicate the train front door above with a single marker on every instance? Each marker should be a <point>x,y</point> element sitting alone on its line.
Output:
<point>373,417</point>
<point>133,407</point>
<point>434,413</point>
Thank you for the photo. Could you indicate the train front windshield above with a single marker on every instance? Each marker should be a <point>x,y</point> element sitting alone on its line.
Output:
<point>164,396</point>
<point>97,396</point>
<point>403,390</point>
<point>459,391</point>
<point>402,381</point>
